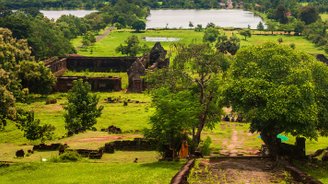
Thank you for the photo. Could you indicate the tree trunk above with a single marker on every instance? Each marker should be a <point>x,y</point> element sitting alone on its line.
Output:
<point>271,141</point>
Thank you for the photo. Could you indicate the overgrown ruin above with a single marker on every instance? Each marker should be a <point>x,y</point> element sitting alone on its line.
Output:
<point>134,66</point>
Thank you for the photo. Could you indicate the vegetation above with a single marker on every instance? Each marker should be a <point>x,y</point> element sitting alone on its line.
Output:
<point>107,46</point>
<point>277,88</point>
<point>276,95</point>
<point>84,172</point>
<point>32,128</point>
<point>211,34</point>
<point>245,34</point>
<point>187,97</point>
<point>36,77</point>
<point>131,47</point>
<point>228,45</point>
<point>82,109</point>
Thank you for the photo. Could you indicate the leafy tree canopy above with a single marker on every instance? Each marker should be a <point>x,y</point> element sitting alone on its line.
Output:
<point>276,88</point>
<point>187,96</point>
<point>132,47</point>
<point>82,108</point>
<point>36,77</point>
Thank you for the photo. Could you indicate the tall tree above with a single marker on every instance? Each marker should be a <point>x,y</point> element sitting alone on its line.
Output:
<point>36,77</point>
<point>12,52</point>
<point>195,76</point>
<point>246,33</point>
<point>260,26</point>
<point>273,86</point>
<point>82,108</point>
<point>210,34</point>
<point>139,25</point>
<point>7,100</point>
<point>309,14</point>
<point>132,47</point>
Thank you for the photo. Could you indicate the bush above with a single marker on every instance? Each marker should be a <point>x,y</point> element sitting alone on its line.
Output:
<point>51,100</point>
<point>70,156</point>
<point>205,148</point>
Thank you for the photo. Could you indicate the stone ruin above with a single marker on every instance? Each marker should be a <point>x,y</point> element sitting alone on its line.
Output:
<point>322,58</point>
<point>135,67</point>
<point>156,59</point>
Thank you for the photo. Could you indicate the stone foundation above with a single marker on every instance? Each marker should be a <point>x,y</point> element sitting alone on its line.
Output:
<point>97,83</point>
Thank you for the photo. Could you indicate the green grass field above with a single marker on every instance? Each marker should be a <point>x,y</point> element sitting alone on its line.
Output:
<point>89,173</point>
<point>301,43</point>
<point>128,118</point>
<point>106,46</point>
<point>318,171</point>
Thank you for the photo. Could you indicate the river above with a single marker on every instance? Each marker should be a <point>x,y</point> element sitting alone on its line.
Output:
<point>181,18</point>
<point>220,17</point>
<point>55,14</point>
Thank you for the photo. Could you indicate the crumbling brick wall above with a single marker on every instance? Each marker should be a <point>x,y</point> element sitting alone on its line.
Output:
<point>100,64</point>
<point>97,83</point>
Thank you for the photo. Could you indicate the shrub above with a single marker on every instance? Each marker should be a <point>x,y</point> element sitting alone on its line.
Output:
<point>70,156</point>
<point>205,148</point>
<point>51,100</point>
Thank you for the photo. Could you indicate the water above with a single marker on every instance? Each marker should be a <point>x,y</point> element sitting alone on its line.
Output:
<point>55,14</point>
<point>161,39</point>
<point>221,17</point>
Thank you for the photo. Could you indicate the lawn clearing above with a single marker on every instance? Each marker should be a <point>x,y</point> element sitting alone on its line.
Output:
<point>300,42</point>
<point>129,118</point>
<point>318,170</point>
<point>89,173</point>
<point>107,46</point>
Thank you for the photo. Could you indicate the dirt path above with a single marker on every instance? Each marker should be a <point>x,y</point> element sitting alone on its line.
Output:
<point>105,33</point>
<point>233,147</point>
<point>241,171</point>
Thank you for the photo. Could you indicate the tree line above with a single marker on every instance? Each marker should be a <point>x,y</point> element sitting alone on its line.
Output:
<point>49,38</point>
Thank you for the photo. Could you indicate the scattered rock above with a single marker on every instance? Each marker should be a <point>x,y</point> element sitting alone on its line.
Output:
<point>20,153</point>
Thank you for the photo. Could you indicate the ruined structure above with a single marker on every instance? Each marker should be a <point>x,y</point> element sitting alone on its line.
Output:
<point>65,83</point>
<point>155,59</point>
<point>99,64</point>
<point>322,58</point>
<point>134,66</point>
<point>57,66</point>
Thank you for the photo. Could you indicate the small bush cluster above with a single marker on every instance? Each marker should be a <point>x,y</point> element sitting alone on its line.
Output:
<point>68,156</point>
<point>205,148</point>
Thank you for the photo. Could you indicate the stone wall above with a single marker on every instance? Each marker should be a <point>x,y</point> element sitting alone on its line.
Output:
<point>322,58</point>
<point>57,66</point>
<point>97,83</point>
<point>99,64</point>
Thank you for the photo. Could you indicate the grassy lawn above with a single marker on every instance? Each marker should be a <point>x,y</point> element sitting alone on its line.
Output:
<point>128,118</point>
<point>318,171</point>
<point>324,16</point>
<point>80,172</point>
<point>112,168</point>
<point>107,46</point>
<point>300,43</point>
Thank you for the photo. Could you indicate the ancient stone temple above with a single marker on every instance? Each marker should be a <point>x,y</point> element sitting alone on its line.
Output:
<point>135,67</point>
<point>156,59</point>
